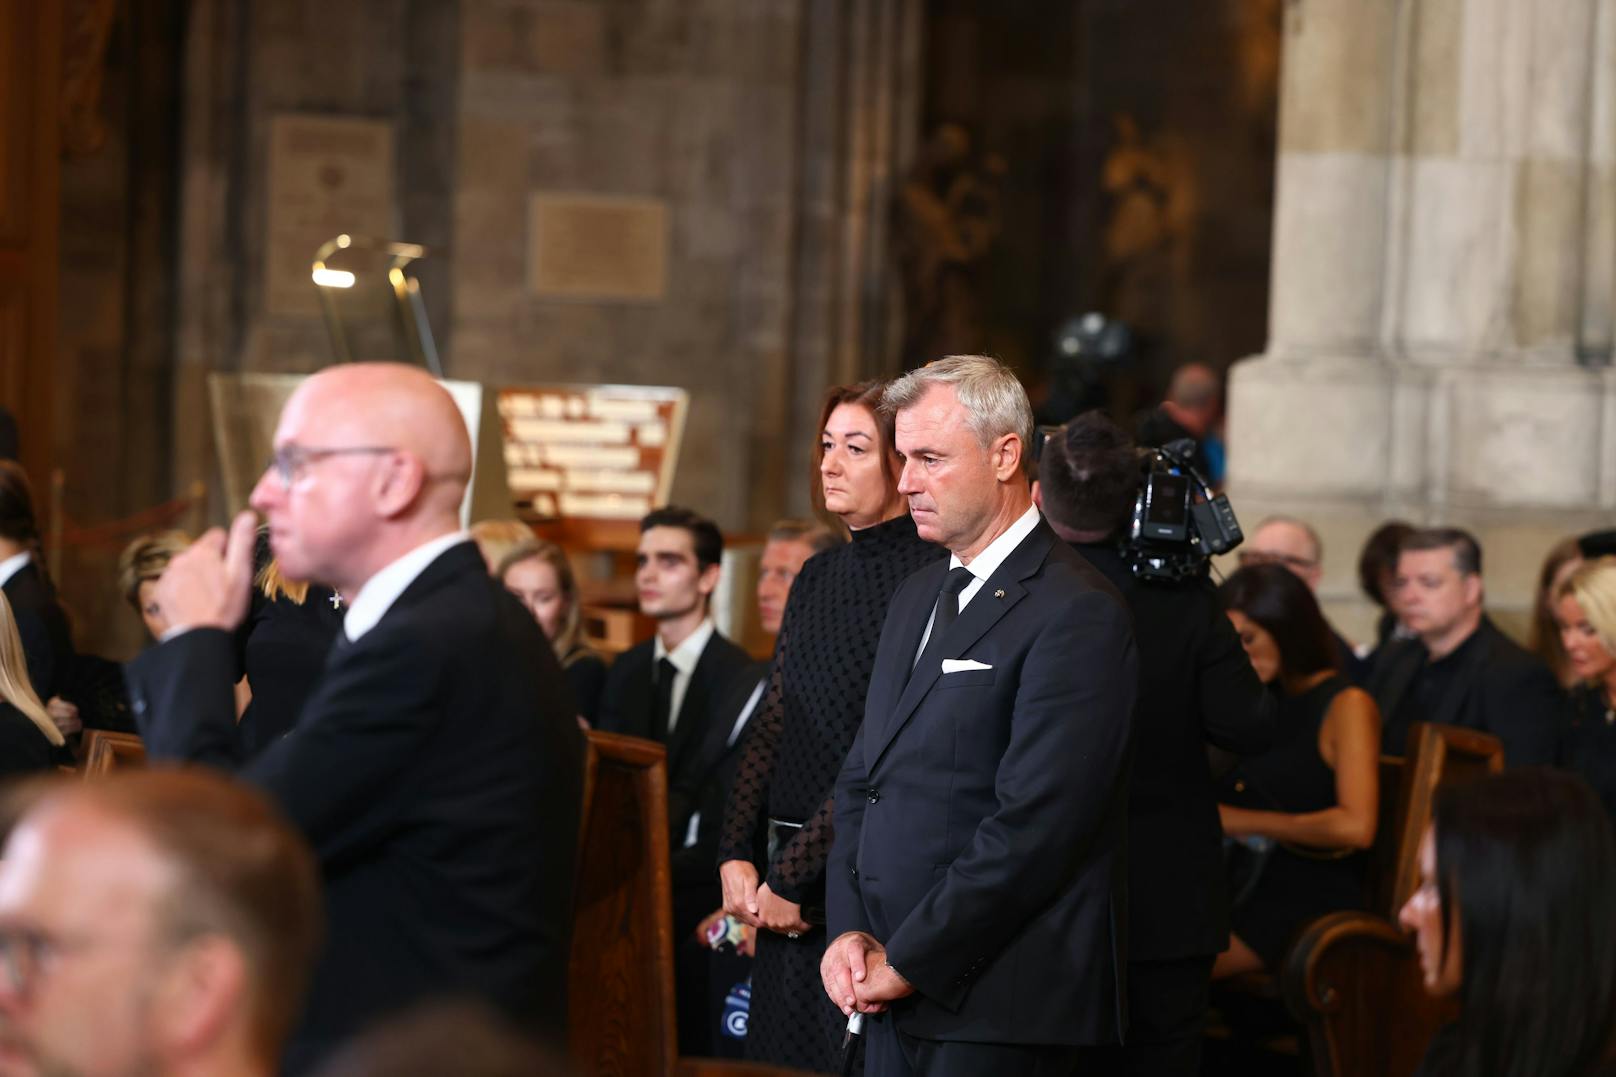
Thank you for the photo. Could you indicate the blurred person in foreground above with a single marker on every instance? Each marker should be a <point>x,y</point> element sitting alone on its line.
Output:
<point>1513,917</point>
<point>1196,687</point>
<point>155,922</point>
<point>437,768</point>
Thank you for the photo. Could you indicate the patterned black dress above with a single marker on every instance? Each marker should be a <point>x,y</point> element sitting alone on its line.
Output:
<point>793,749</point>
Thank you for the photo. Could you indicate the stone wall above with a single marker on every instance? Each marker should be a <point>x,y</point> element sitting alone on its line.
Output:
<point>1443,290</point>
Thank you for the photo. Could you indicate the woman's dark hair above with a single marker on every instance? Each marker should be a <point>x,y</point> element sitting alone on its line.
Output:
<point>17,521</point>
<point>1379,554</point>
<point>1088,475</point>
<point>1284,606</point>
<point>1528,861</point>
<point>867,395</point>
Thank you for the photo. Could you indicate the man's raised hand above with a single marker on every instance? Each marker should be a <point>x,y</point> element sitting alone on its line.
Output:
<point>210,584</point>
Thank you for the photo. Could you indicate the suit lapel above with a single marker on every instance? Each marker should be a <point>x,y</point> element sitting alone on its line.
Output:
<point>987,607</point>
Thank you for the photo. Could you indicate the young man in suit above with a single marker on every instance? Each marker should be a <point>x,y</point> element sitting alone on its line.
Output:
<point>667,689</point>
<point>437,768</point>
<point>1461,670</point>
<point>1196,687</point>
<point>976,883</point>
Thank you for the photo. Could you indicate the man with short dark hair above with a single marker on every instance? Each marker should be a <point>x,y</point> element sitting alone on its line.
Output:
<point>1461,670</point>
<point>976,888</point>
<point>154,922</point>
<point>1196,687</point>
<point>667,690</point>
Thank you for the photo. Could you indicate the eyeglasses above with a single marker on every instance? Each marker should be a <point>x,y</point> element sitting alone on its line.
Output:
<point>1264,557</point>
<point>289,461</point>
<point>27,953</point>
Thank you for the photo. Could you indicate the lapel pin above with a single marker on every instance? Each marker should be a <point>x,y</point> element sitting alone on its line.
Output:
<point>999,593</point>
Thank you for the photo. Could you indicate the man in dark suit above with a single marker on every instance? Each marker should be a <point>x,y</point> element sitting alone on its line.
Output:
<point>976,882</point>
<point>436,769</point>
<point>1196,687</point>
<point>667,689</point>
<point>1461,670</point>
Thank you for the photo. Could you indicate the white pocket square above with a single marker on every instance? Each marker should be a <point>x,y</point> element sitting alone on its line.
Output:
<point>960,665</point>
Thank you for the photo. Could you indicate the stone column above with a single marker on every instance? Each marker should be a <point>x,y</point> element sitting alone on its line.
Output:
<point>1442,257</point>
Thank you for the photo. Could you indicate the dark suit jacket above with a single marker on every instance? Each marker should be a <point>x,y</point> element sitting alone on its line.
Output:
<point>1498,687</point>
<point>981,815</point>
<point>1196,687</point>
<point>696,862</point>
<point>46,641</point>
<point>626,704</point>
<point>437,771</point>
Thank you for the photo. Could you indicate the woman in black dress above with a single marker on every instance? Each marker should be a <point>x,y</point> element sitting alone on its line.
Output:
<point>1314,794</point>
<point>28,737</point>
<point>779,810</point>
<point>1585,612</point>
<point>281,647</point>
<point>541,578</point>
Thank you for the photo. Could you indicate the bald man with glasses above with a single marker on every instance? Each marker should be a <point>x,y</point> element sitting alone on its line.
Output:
<point>436,769</point>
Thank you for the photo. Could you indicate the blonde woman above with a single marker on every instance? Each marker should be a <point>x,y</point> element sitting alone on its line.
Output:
<point>27,734</point>
<point>140,566</point>
<point>537,573</point>
<point>1585,611</point>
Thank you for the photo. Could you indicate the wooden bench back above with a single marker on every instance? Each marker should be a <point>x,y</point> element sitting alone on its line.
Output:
<point>106,751</point>
<point>620,980</point>
<point>1438,755</point>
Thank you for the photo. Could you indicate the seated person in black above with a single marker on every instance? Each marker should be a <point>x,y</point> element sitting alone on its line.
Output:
<point>281,649</point>
<point>1585,611</point>
<point>1315,794</point>
<point>28,737</point>
<point>46,639</point>
<point>1288,541</point>
<point>1513,916</point>
<point>1461,670</point>
<point>667,689</point>
<point>538,574</point>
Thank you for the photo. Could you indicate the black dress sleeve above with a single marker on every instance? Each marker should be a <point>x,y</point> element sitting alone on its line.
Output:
<point>760,745</point>
<point>23,748</point>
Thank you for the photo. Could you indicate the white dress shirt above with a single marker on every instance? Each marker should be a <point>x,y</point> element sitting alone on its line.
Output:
<point>982,566</point>
<point>379,593</point>
<point>12,565</point>
<point>684,658</point>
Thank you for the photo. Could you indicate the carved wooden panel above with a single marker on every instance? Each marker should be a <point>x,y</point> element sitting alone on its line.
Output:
<point>30,66</point>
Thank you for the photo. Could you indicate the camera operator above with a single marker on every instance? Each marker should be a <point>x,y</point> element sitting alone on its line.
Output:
<point>1196,686</point>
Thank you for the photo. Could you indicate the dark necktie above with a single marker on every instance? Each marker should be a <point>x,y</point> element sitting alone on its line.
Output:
<point>662,706</point>
<point>956,581</point>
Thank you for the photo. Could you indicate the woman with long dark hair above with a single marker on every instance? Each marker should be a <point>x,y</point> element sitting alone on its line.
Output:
<point>1314,794</point>
<point>1514,915</point>
<point>779,810</point>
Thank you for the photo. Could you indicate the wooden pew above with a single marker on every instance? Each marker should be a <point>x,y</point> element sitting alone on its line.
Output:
<point>620,980</point>
<point>1353,978</point>
<point>106,751</point>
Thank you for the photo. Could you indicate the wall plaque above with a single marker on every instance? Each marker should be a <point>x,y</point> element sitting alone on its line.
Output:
<point>327,175</point>
<point>585,246</point>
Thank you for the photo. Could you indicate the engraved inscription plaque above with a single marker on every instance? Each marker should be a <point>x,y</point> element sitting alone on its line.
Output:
<point>584,246</point>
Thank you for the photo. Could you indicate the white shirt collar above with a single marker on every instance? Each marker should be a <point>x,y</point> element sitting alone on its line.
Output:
<point>11,565</point>
<point>988,561</point>
<point>379,593</point>
<point>685,656</point>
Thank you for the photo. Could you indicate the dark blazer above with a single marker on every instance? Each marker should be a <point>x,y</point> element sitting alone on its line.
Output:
<point>1196,687</point>
<point>437,771</point>
<point>981,814</point>
<point>625,707</point>
<point>1499,687</point>
<point>46,641</point>
<point>723,758</point>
